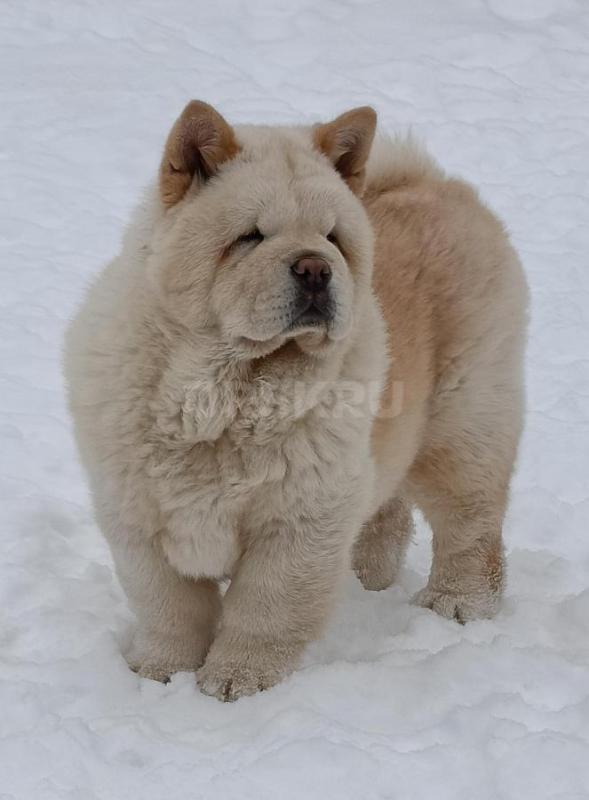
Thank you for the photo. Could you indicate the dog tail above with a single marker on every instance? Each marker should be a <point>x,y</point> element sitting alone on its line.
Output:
<point>397,161</point>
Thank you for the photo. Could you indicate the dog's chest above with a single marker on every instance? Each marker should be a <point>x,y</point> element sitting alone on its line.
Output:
<point>214,467</point>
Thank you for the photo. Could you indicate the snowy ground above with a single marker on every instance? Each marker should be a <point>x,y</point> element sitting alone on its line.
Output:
<point>393,702</point>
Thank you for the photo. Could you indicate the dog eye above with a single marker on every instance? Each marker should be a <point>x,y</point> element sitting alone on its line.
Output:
<point>331,237</point>
<point>252,236</point>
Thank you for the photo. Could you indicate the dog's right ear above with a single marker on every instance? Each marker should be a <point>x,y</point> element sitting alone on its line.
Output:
<point>200,141</point>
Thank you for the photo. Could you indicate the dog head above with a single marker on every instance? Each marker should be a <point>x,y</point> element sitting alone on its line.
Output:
<point>264,236</point>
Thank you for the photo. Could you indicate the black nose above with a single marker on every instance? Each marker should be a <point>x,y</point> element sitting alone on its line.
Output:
<point>314,273</point>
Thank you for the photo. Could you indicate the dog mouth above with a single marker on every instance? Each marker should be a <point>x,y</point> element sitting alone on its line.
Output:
<point>311,314</point>
<point>311,311</point>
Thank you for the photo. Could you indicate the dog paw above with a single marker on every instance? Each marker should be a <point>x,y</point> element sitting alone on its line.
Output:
<point>232,681</point>
<point>154,672</point>
<point>457,606</point>
<point>376,564</point>
<point>158,658</point>
<point>374,575</point>
<point>378,553</point>
<point>231,672</point>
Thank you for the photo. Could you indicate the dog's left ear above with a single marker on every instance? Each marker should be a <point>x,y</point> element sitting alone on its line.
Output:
<point>200,141</point>
<point>346,142</point>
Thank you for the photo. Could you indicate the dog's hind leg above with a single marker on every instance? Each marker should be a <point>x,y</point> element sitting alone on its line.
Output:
<point>380,548</point>
<point>463,495</point>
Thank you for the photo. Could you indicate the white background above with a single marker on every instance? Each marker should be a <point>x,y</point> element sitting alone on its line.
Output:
<point>393,702</point>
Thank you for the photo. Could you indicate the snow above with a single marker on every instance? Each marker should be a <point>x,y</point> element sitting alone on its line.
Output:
<point>393,702</point>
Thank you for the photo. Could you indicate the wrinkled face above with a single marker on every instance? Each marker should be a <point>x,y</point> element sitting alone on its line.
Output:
<point>273,246</point>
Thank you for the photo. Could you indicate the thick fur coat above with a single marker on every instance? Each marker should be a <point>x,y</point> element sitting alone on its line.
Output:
<point>303,336</point>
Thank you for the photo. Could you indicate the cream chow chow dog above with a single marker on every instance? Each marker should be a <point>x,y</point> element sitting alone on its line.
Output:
<point>304,335</point>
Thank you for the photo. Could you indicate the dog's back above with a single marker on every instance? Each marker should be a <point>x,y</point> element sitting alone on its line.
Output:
<point>454,298</point>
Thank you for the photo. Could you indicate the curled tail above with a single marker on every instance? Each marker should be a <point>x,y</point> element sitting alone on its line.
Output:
<point>397,161</point>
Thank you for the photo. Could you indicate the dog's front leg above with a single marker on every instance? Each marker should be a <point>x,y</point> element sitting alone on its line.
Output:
<point>176,615</point>
<point>275,605</point>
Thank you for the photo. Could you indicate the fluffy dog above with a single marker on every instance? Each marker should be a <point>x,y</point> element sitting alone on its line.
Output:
<point>305,334</point>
